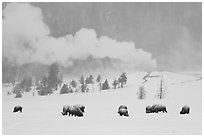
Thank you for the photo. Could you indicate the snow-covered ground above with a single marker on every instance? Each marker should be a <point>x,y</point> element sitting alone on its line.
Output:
<point>41,115</point>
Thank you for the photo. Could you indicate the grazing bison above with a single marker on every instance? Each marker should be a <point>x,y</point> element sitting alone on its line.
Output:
<point>148,109</point>
<point>75,111</point>
<point>17,108</point>
<point>155,109</point>
<point>185,110</point>
<point>122,106</point>
<point>159,108</point>
<point>66,109</point>
<point>81,107</point>
<point>122,111</point>
<point>71,110</point>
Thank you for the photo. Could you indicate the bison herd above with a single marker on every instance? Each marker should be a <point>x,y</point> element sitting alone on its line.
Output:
<point>78,110</point>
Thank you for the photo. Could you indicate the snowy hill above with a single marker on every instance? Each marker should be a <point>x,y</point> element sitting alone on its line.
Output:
<point>41,115</point>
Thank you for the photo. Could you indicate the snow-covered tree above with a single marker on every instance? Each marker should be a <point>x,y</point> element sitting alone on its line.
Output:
<point>83,87</point>
<point>17,91</point>
<point>25,84</point>
<point>99,81</point>
<point>42,91</point>
<point>18,94</point>
<point>73,83</point>
<point>141,94</point>
<point>89,80</point>
<point>82,80</point>
<point>122,79</point>
<point>161,91</point>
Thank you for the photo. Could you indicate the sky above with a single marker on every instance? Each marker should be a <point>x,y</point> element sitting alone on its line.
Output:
<point>162,36</point>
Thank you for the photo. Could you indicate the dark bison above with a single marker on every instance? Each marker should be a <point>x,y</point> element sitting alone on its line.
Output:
<point>81,107</point>
<point>122,111</point>
<point>148,109</point>
<point>75,111</point>
<point>122,106</point>
<point>18,108</point>
<point>66,109</point>
<point>156,108</point>
<point>185,110</point>
<point>159,108</point>
<point>71,110</point>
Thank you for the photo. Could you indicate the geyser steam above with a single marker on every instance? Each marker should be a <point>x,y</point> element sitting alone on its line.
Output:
<point>26,38</point>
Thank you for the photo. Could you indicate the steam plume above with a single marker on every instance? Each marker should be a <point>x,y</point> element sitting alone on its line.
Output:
<point>26,38</point>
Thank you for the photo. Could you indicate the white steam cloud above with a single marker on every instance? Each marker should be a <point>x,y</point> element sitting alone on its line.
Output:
<point>26,39</point>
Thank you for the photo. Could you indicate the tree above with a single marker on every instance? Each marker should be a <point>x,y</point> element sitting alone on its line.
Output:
<point>141,92</point>
<point>44,87</point>
<point>42,91</point>
<point>83,84</point>
<point>98,78</point>
<point>99,81</point>
<point>18,94</point>
<point>115,83</point>
<point>73,83</point>
<point>105,85</point>
<point>53,77</point>
<point>89,80</point>
<point>84,87</point>
<point>60,77</point>
<point>161,92</point>
<point>120,83</point>
<point>64,89</point>
<point>70,90</point>
<point>28,84</point>
<point>44,81</point>
<point>22,84</point>
<point>25,84</point>
<point>82,80</point>
<point>17,91</point>
<point>123,79</point>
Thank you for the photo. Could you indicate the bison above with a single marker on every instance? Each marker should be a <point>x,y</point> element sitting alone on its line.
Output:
<point>148,109</point>
<point>75,111</point>
<point>71,110</point>
<point>185,110</point>
<point>81,107</point>
<point>159,108</point>
<point>18,108</point>
<point>66,109</point>
<point>122,106</point>
<point>156,108</point>
<point>122,111</point>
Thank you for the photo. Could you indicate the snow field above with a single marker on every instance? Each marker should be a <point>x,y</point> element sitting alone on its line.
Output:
<point>41,115</point>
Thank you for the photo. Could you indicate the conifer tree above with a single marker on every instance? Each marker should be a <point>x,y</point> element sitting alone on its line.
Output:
<point>115,83</point>
<point>105,85</point>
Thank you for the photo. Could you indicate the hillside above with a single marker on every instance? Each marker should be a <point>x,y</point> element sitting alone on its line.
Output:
<point>41,115</point>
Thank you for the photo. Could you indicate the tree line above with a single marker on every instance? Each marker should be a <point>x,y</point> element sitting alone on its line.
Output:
<point>48,84</point>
